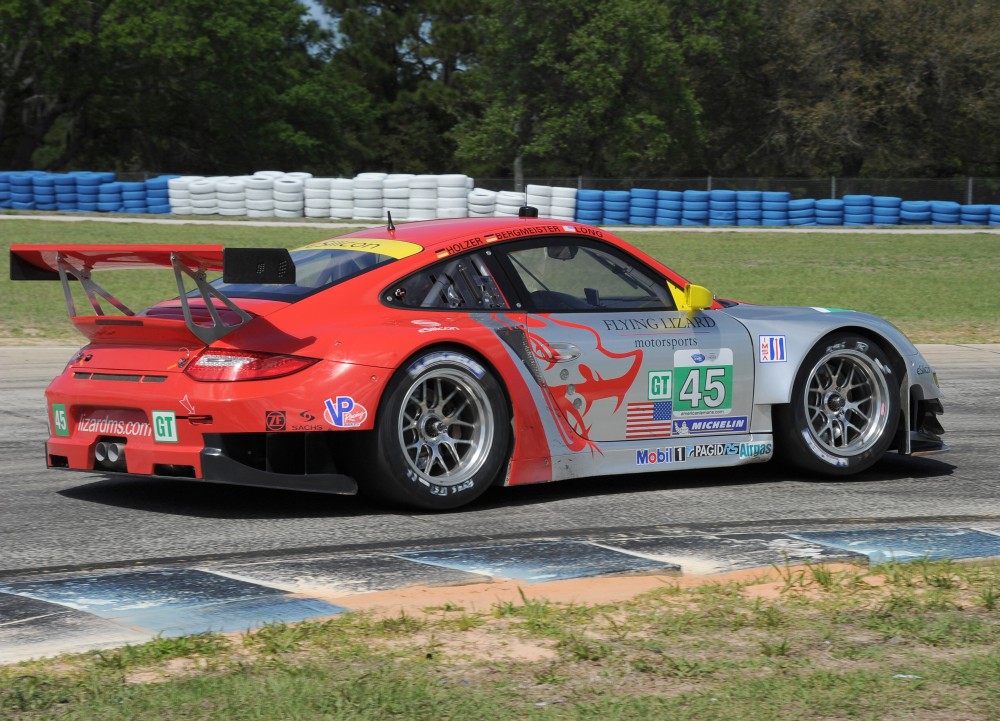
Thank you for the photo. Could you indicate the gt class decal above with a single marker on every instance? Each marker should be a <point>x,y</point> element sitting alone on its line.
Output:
<point>344,412</point>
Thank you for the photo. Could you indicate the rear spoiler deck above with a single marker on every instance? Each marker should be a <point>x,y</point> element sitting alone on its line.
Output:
<point>77,262</point>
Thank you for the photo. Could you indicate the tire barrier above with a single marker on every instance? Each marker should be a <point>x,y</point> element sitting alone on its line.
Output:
<point>411,197</point>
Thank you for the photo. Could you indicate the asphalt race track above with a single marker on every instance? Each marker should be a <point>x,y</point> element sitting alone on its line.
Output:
<point>59,531</point>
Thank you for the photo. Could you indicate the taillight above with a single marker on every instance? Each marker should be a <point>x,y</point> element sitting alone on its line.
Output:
<point>239,365</point>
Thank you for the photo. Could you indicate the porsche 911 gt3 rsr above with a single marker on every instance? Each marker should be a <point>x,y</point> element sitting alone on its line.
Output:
<point>423,363</point>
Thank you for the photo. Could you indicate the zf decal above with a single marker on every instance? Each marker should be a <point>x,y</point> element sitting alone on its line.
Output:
<point>274,420</point>
<point>165,427</point>
<point>703,382</point>
<point>343,412</point>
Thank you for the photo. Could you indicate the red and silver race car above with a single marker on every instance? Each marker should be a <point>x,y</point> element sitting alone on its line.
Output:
<point>423,363</point>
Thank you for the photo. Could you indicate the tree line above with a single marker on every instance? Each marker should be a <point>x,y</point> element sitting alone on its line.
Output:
<point>494,88</point>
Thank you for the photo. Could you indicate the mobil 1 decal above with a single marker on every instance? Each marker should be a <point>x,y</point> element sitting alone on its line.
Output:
<point>702,382</point>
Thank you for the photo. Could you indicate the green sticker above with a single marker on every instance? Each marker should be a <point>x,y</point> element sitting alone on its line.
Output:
<point>165,427</point>
<point>660,386</point>
<point>60,419</point>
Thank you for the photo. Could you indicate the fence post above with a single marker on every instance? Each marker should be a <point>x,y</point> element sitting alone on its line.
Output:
<point>709,183</point>
<point>833,187</point>
<point>968,190</point>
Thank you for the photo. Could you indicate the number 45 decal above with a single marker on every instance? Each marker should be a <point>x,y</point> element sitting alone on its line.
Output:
<point>703,381</point>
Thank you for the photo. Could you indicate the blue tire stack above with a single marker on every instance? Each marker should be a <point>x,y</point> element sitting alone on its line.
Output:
<point>88,188</point>
<point>44,188</point>
<point>642,206</point>
<point>858,210</point>
<point>945,212</point>
<point>802,211</point>
<point>22,190</point>
<point>914,212</point>
<point>695,209</point>
<point>669,206</point>
<point>829,211</point>
<point>774,204</point>
<point>749,210</point>
<point>995,215</point>
<point>975,214</point>
<point>158,194</point>
<point>616,207</point>
<point>886,209</point>
<point>721,207</point>
<point>590,206</point>
<point>109,197</point>
<point>4,190</point>
<point>133,197</point>
<point>66,196</point>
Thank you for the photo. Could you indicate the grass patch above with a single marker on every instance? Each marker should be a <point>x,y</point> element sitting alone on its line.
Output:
<point>886,642</point>
<point>912,280</point>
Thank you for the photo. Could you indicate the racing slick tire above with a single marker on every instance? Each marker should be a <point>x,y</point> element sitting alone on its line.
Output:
<point>844,408</point>
<point>442,434</point>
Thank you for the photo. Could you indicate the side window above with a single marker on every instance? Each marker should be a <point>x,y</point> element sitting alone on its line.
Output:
<point>463,283</point>
<point>570,276</point>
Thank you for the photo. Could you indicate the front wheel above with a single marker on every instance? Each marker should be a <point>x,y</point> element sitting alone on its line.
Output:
<point>441,436</point>
<point>844,408</point>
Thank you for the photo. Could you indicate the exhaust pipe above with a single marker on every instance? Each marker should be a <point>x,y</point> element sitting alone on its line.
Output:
<point>101,452</point>
<point>114,452</point>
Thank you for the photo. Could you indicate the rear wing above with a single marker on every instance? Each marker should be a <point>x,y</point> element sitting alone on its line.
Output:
<point>77,262</point>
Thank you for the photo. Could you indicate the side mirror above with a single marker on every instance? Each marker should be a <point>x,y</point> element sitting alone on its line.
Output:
<point>697,297</point>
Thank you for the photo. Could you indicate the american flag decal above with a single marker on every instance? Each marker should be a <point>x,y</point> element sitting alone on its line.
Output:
<point>651,419</point>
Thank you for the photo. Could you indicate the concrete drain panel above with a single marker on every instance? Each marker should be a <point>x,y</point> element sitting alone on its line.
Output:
<point>343,575</point>
<point>174,602</point>
<point>30,628</point>
<point>882,545</point>
<point>541,562</point>
<point>708,554</point>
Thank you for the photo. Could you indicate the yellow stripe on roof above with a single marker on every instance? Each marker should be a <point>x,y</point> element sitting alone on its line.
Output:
<point>393,248</point>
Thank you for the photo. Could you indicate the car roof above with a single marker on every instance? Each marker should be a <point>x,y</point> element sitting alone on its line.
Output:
<point>432,234</point>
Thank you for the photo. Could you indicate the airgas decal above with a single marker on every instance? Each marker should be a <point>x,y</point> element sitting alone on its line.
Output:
<point>60,420</point>
<point>344,412</point>
<point>165,427</point>
<point>703,382</point>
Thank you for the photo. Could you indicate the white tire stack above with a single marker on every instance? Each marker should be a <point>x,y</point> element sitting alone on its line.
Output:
<point>259,191</point>
<point>231,196</point>
<point>368,196</point>
<point>482,203</point>
<point>317,197</point>
<point>509,203</point>
<point>342,198</point>
<point>396,195</point>
<point>452,198</point>
<point>203,196</point>
<point>289,197</point>
<point>423,197</point>
<point>540,196</point>
<point>179,193</point>
<point>563,203</point>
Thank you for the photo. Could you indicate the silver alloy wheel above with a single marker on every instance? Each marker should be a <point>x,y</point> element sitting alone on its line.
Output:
<point>445,427</point>
<point>846,402</point>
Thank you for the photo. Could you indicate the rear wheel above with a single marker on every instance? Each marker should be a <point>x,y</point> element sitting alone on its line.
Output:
<point>844,408</point>
<point>441,436</point>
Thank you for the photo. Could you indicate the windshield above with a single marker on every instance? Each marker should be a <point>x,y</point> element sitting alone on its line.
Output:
<point>322,265</point>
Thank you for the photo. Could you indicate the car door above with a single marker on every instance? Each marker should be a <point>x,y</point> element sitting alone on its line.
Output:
<point>619,360</point>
